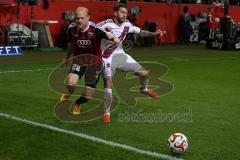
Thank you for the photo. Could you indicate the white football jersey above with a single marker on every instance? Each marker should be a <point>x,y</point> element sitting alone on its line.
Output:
<point>117,31</point>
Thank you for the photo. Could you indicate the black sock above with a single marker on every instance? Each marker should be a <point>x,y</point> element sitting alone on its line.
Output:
<point>81,100</point>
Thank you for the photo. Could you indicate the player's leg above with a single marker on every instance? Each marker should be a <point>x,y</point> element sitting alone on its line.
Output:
<point>85,97</point>
<point>75,73</point>
<point>131,65</point>
<point>72,82</point>
<point>107,99</point>
<point>92,76</point>
<point>144,80</point>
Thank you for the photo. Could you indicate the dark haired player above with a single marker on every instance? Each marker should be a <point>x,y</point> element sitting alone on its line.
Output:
<point>119,27</point>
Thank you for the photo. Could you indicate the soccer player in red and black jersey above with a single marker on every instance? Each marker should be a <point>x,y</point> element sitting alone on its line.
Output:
<point>85,42</point>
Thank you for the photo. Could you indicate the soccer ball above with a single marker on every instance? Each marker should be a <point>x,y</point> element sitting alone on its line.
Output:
<point>178,143</point>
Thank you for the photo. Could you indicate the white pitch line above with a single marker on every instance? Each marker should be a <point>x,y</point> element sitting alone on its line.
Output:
<point>27,70</point>
<point>92,138</point>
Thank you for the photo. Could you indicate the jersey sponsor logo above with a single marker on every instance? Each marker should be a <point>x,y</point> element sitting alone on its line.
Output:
<point>84,42</point>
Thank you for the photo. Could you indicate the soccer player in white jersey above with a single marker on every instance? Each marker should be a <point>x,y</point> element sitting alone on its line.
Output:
<point>119,27</point>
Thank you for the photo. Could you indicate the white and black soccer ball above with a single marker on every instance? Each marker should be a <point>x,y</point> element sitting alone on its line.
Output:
<point>178,143</point>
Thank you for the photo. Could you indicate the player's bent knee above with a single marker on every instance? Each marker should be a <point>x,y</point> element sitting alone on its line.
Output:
<point>72,79</point>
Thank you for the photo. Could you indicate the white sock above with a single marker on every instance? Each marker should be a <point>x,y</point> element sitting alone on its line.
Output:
<point>107,100</point>
<point>144,83</point>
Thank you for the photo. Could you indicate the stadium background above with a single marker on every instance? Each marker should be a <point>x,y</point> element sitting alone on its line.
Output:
<point>166,16</point>
<point>206,88</point>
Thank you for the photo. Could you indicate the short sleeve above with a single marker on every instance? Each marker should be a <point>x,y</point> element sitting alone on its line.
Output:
<point>134,29</point>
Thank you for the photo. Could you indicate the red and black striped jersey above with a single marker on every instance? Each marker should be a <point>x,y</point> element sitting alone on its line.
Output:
<point>87,41</point>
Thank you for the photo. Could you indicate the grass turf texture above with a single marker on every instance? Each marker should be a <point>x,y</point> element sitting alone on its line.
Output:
<point>206,82</point>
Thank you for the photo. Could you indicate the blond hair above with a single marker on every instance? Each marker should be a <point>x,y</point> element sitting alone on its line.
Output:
<point>82,9</point>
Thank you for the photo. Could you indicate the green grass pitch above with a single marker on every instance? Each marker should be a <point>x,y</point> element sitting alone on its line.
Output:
<point>206,87</point>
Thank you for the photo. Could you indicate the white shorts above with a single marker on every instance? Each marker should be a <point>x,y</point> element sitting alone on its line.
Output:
<point>122,61</point>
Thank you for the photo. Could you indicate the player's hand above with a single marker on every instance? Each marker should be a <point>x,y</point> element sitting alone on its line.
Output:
<point>112,38</point>
<point>110,35</point>
<point>116,40</point>
<point>160,33</point>
<point>108,29</point>
<point>64,62</point>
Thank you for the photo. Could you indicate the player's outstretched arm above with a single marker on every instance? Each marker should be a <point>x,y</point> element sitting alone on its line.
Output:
<point>107,35</point>
<point>112,38</point>
<point>144,33</point>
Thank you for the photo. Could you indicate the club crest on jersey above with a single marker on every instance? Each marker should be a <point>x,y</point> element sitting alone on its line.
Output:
<point>90,35</point>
